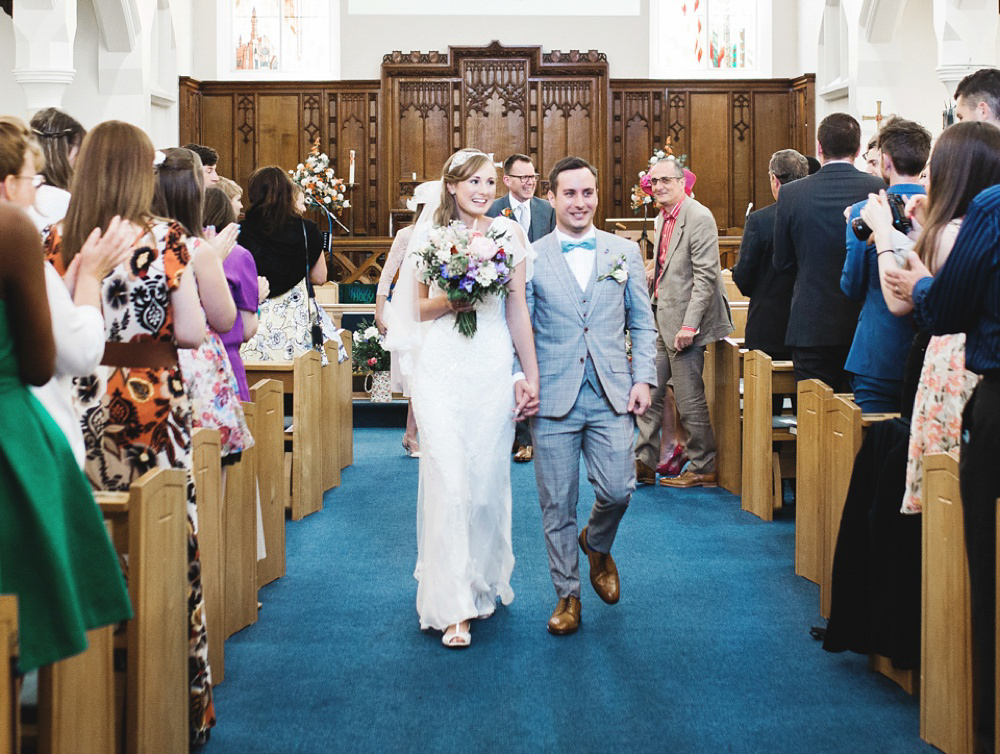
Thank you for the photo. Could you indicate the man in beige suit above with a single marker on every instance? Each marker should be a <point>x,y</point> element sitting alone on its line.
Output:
<point>691,310</point>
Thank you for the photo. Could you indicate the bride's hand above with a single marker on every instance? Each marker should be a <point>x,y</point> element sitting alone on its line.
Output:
<point>526,399</point>
<point>460,306</point>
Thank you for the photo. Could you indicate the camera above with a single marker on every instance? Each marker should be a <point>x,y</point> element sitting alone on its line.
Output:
<point>897,205</point>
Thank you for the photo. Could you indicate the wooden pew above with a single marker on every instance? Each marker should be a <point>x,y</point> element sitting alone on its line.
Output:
<point>733,293</point>
<point>347,404</point>
<point>149,524</point>
<point>724,371</point>
<point>240,537</point>
<point>946,637</point>
<point>302,379</point>
<point>10,687</point>
<point>332,437</point>
<point>761,477</point>
<point>809,464</point>
<point>740,310</point>
<point>206,464</point>
<point>269,438</point>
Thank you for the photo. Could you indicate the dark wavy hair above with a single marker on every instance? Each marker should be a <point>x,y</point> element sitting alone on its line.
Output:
<point>965,160</point>
<point>57,133</point>
<point>180,190</point>
<point>271,194</point>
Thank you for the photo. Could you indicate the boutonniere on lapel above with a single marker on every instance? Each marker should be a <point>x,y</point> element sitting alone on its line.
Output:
<point>618,271</point>
<point>507,212</point>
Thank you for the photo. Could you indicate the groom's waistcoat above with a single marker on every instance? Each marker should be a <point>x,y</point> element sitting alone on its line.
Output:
<point>580,334</point>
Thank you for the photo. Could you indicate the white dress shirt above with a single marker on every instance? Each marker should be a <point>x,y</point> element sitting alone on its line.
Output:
<point>79,335</point>
<point>580,261</point>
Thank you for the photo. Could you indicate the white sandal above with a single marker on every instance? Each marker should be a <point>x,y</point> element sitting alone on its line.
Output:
<point>457,638</point>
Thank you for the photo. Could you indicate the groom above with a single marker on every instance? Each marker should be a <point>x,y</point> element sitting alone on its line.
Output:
<point>588,288</point>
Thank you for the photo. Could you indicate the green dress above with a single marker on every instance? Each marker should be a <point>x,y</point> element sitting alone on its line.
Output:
<point>55,553</point>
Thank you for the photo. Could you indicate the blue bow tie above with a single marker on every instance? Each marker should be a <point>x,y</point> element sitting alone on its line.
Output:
<point>588,243</point>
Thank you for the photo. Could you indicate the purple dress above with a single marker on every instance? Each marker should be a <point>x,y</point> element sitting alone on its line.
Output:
<point>241,273</point>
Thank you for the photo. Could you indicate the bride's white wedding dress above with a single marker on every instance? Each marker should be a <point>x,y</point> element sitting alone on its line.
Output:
<point>463,399</point>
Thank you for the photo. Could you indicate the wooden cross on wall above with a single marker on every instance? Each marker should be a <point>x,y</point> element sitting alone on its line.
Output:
<point>877,117</point>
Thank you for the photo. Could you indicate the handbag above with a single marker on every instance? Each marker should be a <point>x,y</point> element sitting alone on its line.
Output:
<point>316,327</point>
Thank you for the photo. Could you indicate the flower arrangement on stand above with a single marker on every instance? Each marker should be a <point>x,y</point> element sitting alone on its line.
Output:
<point>316,179</point>
<point>641,194</point>
<point>371,358</point>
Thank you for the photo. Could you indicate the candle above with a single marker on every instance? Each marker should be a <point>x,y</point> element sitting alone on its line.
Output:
<point>414,176</point>
<point>350,180</point>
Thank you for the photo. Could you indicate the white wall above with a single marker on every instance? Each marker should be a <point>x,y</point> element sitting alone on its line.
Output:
<point>12,99</point>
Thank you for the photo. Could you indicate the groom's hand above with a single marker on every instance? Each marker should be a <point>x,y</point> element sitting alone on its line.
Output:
<point>526,399</point>
<point>638,398</point>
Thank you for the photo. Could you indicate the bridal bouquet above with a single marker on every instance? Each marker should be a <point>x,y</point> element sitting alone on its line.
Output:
<point>315,178</point>
<point>467,265</point>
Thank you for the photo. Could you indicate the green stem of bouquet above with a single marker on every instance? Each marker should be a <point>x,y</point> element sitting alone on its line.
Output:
<point>465,323</point>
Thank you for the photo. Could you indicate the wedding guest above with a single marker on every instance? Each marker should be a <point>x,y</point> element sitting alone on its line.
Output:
<point>288,250</point>
<point>209,160</point>
<point>248,290</point>
<point>151,307</point>
<point>393,260</point>
<point>234,192</point>
<point>60,136</point>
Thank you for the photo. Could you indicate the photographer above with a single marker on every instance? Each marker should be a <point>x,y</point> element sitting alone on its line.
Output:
<point>882,341</point>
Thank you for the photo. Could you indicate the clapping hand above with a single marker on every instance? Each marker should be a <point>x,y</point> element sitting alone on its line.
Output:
<point>638,399</point>
<point>526,399</point>
<point>224,240</point>
<point>101,252</point>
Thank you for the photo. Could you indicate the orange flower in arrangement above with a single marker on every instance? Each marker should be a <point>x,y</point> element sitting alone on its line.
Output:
<point>316,179</point>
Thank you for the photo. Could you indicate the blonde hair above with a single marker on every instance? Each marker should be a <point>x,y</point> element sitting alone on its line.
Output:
<point>16,141</point>
<point>461,166</point>
<point>229,187</point>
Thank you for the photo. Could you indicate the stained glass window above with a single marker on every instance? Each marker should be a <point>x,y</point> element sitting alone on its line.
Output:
<point>281,35</point>
<point>704,35</point>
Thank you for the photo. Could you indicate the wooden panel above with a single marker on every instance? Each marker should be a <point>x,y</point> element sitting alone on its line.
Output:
<point>813,395</point>
<point>770,133</point>
<point>742,137</point>
<point>207,470</point>
<point>495,105</point>
<point>240,524</point>
<point>245,138</point>
<point>278,139</point>
<point>709,155</point>
<point>946,635</point>
<point>218,132</point>
<point>332,435</point>
<point>346,404</point>
<point>268,399</point>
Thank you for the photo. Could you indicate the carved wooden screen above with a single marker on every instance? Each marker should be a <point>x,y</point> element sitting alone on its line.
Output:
<point>253,124</point>
<point>727,129</point>
<point>498,99</point>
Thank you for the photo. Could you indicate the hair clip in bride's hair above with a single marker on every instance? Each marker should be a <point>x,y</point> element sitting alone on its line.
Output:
<point>158,158</point>
<point>463,156</point>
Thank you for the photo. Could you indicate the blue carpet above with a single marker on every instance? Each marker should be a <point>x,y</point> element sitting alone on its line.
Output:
<point>708,650</point>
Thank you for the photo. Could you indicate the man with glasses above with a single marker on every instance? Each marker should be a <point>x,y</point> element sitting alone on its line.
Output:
<point>538,219</point>
<point>689,303</point>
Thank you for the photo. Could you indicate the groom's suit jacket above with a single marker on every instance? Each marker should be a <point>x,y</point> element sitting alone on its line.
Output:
<point>543,218</point>
<point>570,324</point>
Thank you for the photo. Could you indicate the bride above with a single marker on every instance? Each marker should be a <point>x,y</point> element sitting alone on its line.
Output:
<point>465,405</point>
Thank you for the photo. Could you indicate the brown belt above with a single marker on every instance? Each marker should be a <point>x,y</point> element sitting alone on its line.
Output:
<point>151,354</point>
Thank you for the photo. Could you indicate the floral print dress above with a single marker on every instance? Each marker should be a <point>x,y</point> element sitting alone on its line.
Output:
<point>137,419</point>
<point>285,328</point>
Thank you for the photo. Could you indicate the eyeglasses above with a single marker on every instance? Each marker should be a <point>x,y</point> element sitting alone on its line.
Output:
<point>36,180</point>
<point>664,181</point>
<point>524,178</point>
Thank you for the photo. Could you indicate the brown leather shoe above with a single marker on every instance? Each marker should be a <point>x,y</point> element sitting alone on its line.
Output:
<point>566,618</point>
<point>524,454</point>
<point>643,473</point>
<point>603,572</point>
<point>691,479</point>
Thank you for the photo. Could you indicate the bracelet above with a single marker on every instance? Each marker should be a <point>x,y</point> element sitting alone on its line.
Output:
<point>689,329</point>
<point>884,251</point>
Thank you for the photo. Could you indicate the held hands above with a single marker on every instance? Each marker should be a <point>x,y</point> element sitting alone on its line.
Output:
<point>460,306</point>
<point>901,280</point>
<point>526,399</point>
<point>638,399</point>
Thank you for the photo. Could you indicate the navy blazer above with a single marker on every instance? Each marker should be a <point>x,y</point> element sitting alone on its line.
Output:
<point>543,217</point>
<point>770,291</point>
<point>809,238</point>
<point>882,341</point>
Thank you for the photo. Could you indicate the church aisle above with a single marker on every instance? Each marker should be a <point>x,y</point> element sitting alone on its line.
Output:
<point>708,650</point>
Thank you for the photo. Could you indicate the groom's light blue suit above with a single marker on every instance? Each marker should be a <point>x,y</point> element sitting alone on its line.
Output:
<point>586,378</point>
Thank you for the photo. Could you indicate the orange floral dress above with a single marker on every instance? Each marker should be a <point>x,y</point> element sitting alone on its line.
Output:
<point>137,419</point>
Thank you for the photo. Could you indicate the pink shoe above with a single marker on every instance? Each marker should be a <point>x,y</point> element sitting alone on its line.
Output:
<point>674,464</point>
